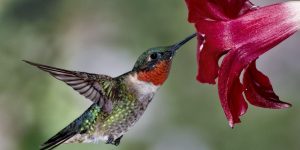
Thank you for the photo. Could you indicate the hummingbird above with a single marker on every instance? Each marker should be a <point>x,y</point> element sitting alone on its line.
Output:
<point>118,102</point>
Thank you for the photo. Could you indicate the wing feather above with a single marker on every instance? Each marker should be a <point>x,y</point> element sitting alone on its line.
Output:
<point>87,84</point>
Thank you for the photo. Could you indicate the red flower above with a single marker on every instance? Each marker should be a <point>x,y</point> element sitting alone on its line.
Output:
<point>242,32</point>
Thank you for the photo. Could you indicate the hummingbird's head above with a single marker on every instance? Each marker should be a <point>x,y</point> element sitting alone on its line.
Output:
<point>155,63</point>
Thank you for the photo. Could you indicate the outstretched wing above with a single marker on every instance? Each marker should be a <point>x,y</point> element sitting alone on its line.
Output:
<point>87,84</point>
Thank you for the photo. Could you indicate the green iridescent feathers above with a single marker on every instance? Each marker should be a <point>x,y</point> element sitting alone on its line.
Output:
<point>83,124</point>
<point>142,60</point>
<point>89,119</point>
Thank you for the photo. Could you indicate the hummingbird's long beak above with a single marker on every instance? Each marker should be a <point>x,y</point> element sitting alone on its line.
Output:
<point>176,46</point>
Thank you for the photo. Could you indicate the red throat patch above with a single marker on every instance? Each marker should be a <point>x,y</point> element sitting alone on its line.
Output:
<point>158,75</point>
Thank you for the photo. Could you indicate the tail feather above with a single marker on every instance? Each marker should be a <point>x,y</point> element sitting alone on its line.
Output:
<point>58,139</point>
<point>78,126</point>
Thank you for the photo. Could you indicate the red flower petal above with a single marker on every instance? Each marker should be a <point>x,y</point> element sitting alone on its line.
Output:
<point>203,9</point>
<point>262,28</point>
<point>216,9</point>
<point>214,47</point>
<point>232,8</point>
<point>252,35</point>
<point>230,88</point>
<point>259,91</point>
<point>231,26</point>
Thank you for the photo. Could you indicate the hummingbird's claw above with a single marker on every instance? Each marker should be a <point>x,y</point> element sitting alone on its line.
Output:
<point>113,141</point>
<point>118,140</point>
<point>110,140</point>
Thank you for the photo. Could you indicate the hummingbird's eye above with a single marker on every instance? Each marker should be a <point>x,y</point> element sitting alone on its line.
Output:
<point>154,56</point>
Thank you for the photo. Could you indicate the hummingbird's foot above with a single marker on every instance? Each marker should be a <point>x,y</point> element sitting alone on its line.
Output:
<point>118,140</point>
<point>110,140</point>
<point>113,141</point>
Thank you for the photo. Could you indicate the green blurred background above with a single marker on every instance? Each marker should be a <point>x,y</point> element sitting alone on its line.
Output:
<point>107,36</point>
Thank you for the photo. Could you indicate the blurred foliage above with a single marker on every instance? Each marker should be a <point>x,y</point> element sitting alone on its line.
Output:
<point>184,115</point>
